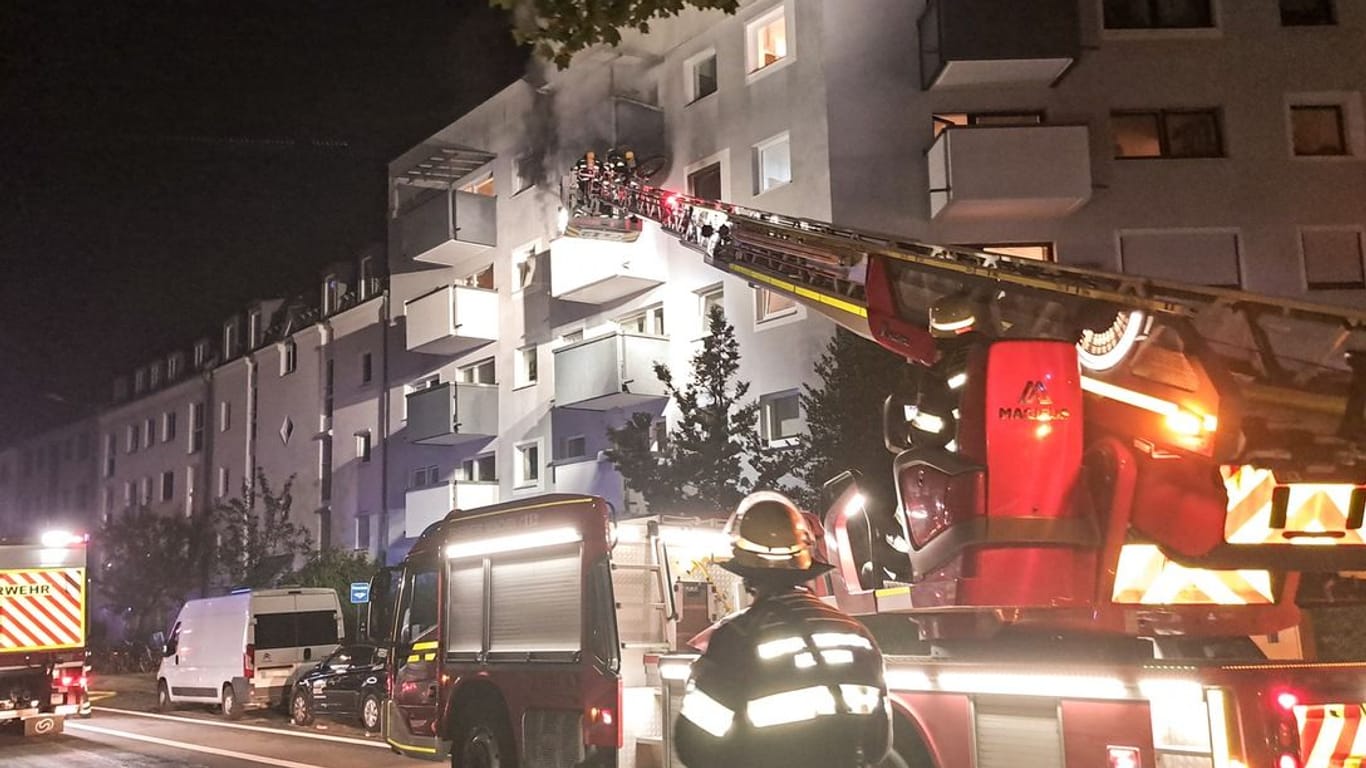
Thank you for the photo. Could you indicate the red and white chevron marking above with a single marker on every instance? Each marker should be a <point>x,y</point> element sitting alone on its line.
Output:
<point>42,609</point>
<point>1331,736</point>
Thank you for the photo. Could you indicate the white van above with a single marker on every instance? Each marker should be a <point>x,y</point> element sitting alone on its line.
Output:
<point>244,649</point>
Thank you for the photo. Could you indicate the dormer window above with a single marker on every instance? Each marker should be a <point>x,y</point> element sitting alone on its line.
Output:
<point>254,329</point>
<point>331,294</point>
<point>229,339</point>
<point>139,381</point>
<point>201,353</point>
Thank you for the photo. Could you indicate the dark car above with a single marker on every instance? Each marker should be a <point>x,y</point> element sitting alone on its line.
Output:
<point>350,682</point>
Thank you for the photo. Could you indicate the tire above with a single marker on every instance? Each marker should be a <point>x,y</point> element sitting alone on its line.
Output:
<point>300,708</point>
<point>230,707</point>
<point>370,712</point>
<point>164,702</point>
<point>484,740</point>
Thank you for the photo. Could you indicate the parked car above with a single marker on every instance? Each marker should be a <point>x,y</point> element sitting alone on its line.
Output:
<point>349,683</point>
<point>247,648</point>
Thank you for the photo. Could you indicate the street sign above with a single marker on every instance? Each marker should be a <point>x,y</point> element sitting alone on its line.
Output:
<point>360,593</point>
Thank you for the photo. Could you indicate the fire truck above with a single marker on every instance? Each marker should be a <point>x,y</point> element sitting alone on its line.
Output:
<point>43,624</point>
<point>1106,486</point>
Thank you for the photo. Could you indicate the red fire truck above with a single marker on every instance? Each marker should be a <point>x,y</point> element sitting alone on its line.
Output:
<point>1106,487</point>
<point>42,632</point>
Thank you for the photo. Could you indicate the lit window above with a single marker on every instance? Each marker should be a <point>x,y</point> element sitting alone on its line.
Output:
<point>770,306</point>
<point>1167,133</point>
<point>526,367</point>
<point>772,163</point>
<point>767,39</point>
<point>946,120</point>
<point>1332,258</point>
<point>1032,251</point>
<point>1158,14</point>
<point>482,186</point>
<point>780,418</point>
<point>701,75</point>
<point>481,279</point>
<point>1308,13</point>
<point>1318,130</point>
<point>528,465</point>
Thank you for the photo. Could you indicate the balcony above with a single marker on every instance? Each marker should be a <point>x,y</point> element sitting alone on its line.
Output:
<point>450,414</point>
<point>599,272</point>
<point>1022,171</point>
<point>449,227</point>
<point>988,43</point>
<point>424,506</point>
<point>608,372</point>
<point>452,319</point>
<point>589,476</point>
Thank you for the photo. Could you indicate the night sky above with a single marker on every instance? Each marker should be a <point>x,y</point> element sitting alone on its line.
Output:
<point>164,162</point>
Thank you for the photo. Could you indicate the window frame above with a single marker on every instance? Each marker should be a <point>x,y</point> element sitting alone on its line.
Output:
<point>765,319</point>
<point>722,162</point>
<point>289,357</point>
<point>480,183</point>
<point>526,367</point>
<point>1214,28</point>
<point>1359,284</point>
<point>690,70</point>
<point>1344,138</point>
<point>760,178</point>
<point>766,424</point>
<point>367,368</point>
<point>364,446</point>
<point>1050,248</point>
<point>1326,9</point>
<point>520,481</point>
<point>468,373</point>
<point>754,27</point>
<point>654,321</point>
<point>1163,132</point>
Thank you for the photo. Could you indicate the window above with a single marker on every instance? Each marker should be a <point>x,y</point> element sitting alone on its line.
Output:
<point>705,182</point>
<point>128,494</point>
<point>1332,258</point>
<point>1207,256</point>
<point>766,40</point>
<point>1308,13</point>
<point>524,265</point>
<point>367,368</point>
<point>480,469</point>
<point>573,447</point>
<point>154,376</point>
<point>289,357</point>
<point>167,485</point>
<point>363,531</point>
<point>229,339</point>
<point>946,120</point>
<point>1033,251</point>
<point>780,418</point>
<point>149,432</point>
<point>108,502</point>
<point>367,271</point>
<point>224,416</point>
<point>222,482</point>
<point>528,468</point>
<point>168,426</point>
<point>700,74</point>
<point>573,337</point>
<point>772,163</point>
<point>770,306</point>
<point>478,373</point>
<point>131,444</point>
<point>254,329</point>
<point>145,491</point>
<point>526,367</point>
<point>139,381</point>
<point>201,354</point>
<point>1158,14</point>
<point>481,186</point>
<point>426,476</point>
<point>110,446</point>
<point>196,427</point>
<point>1167,133</point>
<point>363,446</point>
<point>173,365</point>
<point>649,322</point>
<point>1318,130</point>
<point>331,294</point>
<point>481,279</point>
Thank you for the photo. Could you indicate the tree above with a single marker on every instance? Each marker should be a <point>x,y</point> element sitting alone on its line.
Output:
<point>257,540</point>
<point>714,455</point>
<point>336,569</point>
<point>844,418</point>
<point>558,29</point>
<point>143,561</point>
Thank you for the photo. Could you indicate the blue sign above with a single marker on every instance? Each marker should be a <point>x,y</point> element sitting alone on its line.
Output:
<point>360,593</point>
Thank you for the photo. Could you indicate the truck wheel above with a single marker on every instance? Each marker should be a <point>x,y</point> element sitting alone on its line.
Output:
<point>164,703</point>
<point>484,741</point>
<point>300,709</point>
<point>231,707</point>
<point>370,712</point>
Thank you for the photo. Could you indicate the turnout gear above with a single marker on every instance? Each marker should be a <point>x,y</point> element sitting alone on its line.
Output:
<point>789,681</point>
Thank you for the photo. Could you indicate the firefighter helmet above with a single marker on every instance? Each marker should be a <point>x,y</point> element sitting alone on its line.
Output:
<point>768,536</point>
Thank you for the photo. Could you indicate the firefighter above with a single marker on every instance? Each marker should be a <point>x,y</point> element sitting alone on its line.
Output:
<point>789,681</point>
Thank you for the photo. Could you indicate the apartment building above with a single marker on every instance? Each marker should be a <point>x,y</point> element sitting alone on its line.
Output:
<point>48,482</point>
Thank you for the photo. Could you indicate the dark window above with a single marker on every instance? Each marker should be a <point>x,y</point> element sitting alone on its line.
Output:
<point>419,602</point>
<point>328,388</point>
<point>1158,14</point>
<point>706,182</point>
<point>1167,133</point>
<point>366,368</point>
<point>294,630</point>
<point>1318,130</point>
<point>167,485</point>
<point>704,77</point>
<point>1308,13</point>
<point>1333,259</point>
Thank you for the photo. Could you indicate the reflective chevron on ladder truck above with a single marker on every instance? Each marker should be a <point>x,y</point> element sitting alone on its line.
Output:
<point>1107,487</point>
<point>43,624</point>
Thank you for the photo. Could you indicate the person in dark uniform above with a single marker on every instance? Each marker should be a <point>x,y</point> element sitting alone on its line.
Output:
<point>789,681</point>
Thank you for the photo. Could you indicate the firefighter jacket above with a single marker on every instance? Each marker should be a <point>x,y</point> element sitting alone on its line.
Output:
<point>789,682</point>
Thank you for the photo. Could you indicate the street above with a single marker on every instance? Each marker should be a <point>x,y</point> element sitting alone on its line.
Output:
<point>123,732</point>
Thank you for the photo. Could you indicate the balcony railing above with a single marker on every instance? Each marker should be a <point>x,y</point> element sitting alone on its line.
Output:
<point>1013,171</point>
<point>452,319</point>
<point>449,227</point>
<point>450,414</point>
<point>600,272</point>
<point>989,43</point>
<point>607,372</point>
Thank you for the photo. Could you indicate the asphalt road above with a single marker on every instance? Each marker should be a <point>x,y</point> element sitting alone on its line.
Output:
<point>123,733</point>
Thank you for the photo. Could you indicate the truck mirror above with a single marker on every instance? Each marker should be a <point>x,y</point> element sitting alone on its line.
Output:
<point>836,486</point>
<point>896,433</point>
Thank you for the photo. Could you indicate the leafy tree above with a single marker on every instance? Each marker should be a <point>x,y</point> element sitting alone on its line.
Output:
<point>143,561</point>
<point>336,569</point>
<point>714,455</point>
<point>558,29</point>
<point>257,540</point>
<point>844,418</point>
